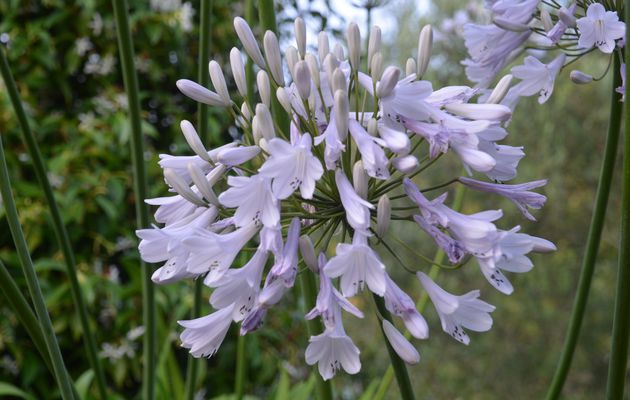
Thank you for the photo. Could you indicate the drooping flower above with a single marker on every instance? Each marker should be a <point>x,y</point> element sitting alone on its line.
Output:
<point>537,77</point>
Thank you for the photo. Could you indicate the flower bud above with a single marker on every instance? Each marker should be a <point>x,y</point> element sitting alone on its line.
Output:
<point>308,253</point>
<point>247,113</point>
<point>542,245</point>
<point>388,82</point>
<point>401,346</point>
<point>256,131</point>
<point>500,90</point>
<point>283,99</point>
<point>237,155</point>
<point>342,108</point>
<point>265,122</point>
<point>264,88</point>
<point>300,36</point>
<point>178,184</point>
<point>200,180</point>
<point>246,37</point>
<point>238,71</point>
<point>216,174</point>
<point>193,140</point>
<point>566,16</point>
<point>410,67</point>
<point>313,67</point>
<point>302,78</point>
<point>546,20</point>
<point>406,164</point>
<point>383,215</point>
<point>218,81</point>
<point>360,179</point>
<point>199,93</point>
<point>330,64</point>
<point>292,57</point>
<point>425,44</point>
<point>353,36</point>
<point>339,81</point>
<point>372,127</point>
<point>509,25</point>
<point>323,46</point>
<point>338,52</point>
<point>580,77</point>
<point>272,52</point>
<point>376,66</point>
<point>374,43</point>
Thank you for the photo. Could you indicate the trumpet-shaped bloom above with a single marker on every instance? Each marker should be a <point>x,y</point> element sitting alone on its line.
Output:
<point>203,336</point>
<point>600,28</point>
<point>253,200</point>
<point>537,77</point>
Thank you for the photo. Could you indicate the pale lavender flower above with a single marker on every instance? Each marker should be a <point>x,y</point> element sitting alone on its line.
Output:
<point>203,336</point>
<point>401,305</point>
<point>537,77</point>
<point>600,28</point>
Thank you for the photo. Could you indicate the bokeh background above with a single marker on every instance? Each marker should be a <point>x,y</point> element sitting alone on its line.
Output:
<point>64,57</point>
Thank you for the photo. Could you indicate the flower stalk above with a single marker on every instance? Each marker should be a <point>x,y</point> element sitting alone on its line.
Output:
<point>592,241</point>
<point>621,320</point>
<point>60,229</point>
<point>140,190</point>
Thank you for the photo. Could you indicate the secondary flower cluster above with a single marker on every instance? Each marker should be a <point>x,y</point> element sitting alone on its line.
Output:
<point>573,29</point>
<point>329,173</point>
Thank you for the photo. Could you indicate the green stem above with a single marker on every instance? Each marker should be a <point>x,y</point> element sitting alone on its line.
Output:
<point>58,226</point>
<point>621,320</point>
<point>592,241</point>
<point>397,364</point>
<point>193,363</point>
<point>61,374</point>
<point>14,297</point>
<point>241,357</point>
<point>424,298</point>
<point>314,327</point>
<point>140,189</point>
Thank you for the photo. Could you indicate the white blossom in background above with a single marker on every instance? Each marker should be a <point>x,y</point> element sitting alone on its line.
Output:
<point>552,35</point>
<point>337,177</point>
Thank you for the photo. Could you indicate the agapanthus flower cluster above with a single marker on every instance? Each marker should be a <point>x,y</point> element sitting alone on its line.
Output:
<point>552,34</point>
<point>317,194</point>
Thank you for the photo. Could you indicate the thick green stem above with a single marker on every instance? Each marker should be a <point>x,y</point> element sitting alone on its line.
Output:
<point>61,374</point>
<point>397,364</point>
<point>193,363</point>
<point>140,190</point>
<point>58,226</point>
<point>424,298</point>
<point>314,327</point>
<point>241,357</point>
<point>14,297</point>
<point>621,320</point>
<point>592,241</point>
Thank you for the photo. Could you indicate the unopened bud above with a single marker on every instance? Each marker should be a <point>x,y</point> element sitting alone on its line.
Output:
<point>374,43</point>
<point>376,66</point>
<point>342,108</point>
<point>400,344</point>
<point>566,15</point>
<point>383,215</point>
<point>338,52</point>
<point>353,36</point>
<point>509,25</point>
<point>406,164</point>
<point>313,67</point>
<point>546,20</point>
<point>272,52</point>
<point>410,66</point>
<point>580,77</point>
<point>300,36</point>
<point>247,113</point>
<point>178,184</point>
<point>330,64</point>
<point>323,46</point>
<point>491,112</point>
<point>246,37</point>
<point>218,81</point>
<point>283,99</point>
<point>199,93</point>
<point>238,71</point>
<point>292,57</point>
<point>265,122</point>
<point>193,140</point>
<point>388,82</point>
<point>200,180</point>
<point>360,179</point>
<point>302,78</point>
<point>500,90</point>
<point>264,87</point>
<point>372,127</point>
<point>339,81</point>
<point>308,253</point>
<point>425,45</point>
<point>216,174</point>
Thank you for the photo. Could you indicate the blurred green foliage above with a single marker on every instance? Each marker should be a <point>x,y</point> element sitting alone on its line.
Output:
<point>64,57</point>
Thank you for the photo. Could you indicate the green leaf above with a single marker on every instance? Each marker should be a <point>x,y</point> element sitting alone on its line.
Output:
<point>83,383</point>
<point>6,389</point>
